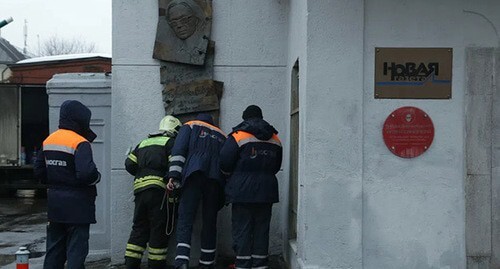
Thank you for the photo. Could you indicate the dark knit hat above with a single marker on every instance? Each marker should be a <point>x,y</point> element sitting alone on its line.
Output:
<point>252,111</point>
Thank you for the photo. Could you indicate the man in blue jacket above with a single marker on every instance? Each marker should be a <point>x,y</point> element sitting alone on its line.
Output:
<point>195,166</point>
<point>65,164</point>
<point>251,156</point>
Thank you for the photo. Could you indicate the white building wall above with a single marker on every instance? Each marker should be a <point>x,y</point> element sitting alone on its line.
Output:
<point>360,206</point>
<point>410,213</point>
<point>414,209</point>
<point>249,59</point>
<point>330,208</point>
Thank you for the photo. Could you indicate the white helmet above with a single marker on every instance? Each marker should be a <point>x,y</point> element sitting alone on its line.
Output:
<point>170,125</point>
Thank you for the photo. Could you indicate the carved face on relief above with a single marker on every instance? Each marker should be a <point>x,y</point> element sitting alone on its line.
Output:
<point>182,20</point>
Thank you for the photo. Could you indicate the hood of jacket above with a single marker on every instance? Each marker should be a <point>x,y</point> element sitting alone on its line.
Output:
<point>206,118</point>
<point>75,116</point>
<point>258,127</point>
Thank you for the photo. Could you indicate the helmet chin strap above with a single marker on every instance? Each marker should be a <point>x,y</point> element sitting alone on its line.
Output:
<point>160,133</point>
<point>169,133</point>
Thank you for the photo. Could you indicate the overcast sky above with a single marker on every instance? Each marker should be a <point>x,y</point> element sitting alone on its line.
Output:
<point>88,20</point>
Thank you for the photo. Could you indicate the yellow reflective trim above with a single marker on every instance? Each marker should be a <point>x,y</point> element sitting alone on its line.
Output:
<point>157,250</point>
<point>149,180</point>
<point>146,178</point>
<point>144,184</point>
<point>132,157</point>
<point>156,257</point>
<point>154,141</point>
<point>133,255</point>
<point>135,247</point>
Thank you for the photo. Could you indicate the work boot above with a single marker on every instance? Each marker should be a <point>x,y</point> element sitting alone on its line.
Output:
<point>132,263</point>
<point>152,264</point>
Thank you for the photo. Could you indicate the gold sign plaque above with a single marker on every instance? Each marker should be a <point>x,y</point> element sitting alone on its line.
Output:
<point>413,73</point>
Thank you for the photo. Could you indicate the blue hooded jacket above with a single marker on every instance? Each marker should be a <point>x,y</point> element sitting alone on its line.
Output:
<point>65,164</point>
<point>197,148</point>
<point>252,156</point>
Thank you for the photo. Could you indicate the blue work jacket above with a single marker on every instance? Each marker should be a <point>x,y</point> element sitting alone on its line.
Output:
<point>196,149</point>
<point>251,157</point>
<point>65,164</point>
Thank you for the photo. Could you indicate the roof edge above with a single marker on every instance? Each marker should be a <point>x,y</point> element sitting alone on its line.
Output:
<point>63,58</point>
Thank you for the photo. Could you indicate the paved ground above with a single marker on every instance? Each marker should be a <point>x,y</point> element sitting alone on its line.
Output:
<point>23,221</point>
<point>223,263</point>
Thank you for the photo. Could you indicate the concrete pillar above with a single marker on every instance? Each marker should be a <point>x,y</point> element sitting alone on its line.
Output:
<point>479,107</point>
<point>495,163</point>
<point>330,193</point>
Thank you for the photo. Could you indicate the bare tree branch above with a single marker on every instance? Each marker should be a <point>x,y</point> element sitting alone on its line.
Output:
<point>55,45</point>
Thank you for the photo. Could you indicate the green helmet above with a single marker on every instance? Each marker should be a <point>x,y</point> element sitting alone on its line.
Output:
<point>170,125</point>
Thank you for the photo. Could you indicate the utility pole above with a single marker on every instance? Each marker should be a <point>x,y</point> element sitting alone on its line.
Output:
<point>25,49</point>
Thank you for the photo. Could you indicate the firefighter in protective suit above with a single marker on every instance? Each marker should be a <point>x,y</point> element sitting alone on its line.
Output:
<point>148,163</point>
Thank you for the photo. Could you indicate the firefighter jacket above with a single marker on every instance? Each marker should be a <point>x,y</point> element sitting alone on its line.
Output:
<point>252,156</point>
<point>65,164</point>
<point>148,162</point>
<point>197,148</point>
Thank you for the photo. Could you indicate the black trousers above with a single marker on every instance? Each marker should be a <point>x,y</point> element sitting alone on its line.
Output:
<point>66,242</point>
<point>198,187</point>
<point>250,223</point>
<point>150,224</point>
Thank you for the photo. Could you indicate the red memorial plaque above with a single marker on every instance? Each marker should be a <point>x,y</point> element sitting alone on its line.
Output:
<point>408,132</point>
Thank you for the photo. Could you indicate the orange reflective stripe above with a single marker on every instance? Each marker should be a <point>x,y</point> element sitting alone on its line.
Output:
<point>275,137</point>
<point>242,138</point>
<point>240,135</point>
<point>204,124</point>
<point>63,140</point>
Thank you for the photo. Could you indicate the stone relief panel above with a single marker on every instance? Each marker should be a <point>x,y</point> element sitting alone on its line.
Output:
<point>184,73</point>
<point>183,31</point>
<point>185,101</point>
